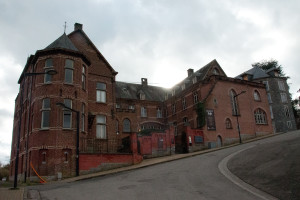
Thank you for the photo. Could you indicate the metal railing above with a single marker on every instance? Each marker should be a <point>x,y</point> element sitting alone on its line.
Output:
<point>115,145</point>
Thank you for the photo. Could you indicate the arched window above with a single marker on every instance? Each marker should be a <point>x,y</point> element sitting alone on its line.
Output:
<point>126,125</point>
<point>260,116</point>
<point>256,95</point>
<point>234,104</point>
<point>228,123</point>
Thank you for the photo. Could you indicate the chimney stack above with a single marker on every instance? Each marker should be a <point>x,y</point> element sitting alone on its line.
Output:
<point>144,82</point>
<point>190,72</point>
<point>77,26</point>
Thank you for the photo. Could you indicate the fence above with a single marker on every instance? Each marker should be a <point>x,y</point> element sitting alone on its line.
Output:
<point>94,145</point>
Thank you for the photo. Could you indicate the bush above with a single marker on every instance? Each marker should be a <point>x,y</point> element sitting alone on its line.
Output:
<point>4,171</point>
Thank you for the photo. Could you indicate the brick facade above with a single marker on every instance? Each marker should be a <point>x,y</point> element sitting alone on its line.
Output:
<point>112,113</point>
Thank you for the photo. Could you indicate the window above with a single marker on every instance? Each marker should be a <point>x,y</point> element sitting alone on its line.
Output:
<point>101,127</point>
<point>234,103</point>
<point>66,155</point>
<point>185,120</point>
<point>228,123</point>
<point>43,157</point>
<point>183,104</point>
<point>173,109</point>
<point>269,98</point>
<point>69,71</point>
<point>286,111</point>
<point>46,113</point>
<point>67,114</point>
<point>194,80</point>
<point>260,116</point>
<point>256,95</point>
<point>283,97</point>
<point>126,125</point>
<point>195,97</point>
<point>131,107</point>
<point>158,113</point>
<point>182,86</point>
<point>101,93</point>
<point>216,71</point>
<point>142,95</point>
<point>143,111</point>
<point>82,117</point>
<point>83,77</point>
<point>173,92</point>
<point>48,66</point>
<point>271,111</point>
<point>281,85</point>
<point>266,84</point>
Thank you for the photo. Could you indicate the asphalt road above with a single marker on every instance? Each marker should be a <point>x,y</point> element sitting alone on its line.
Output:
<point>273,167</point>
<point>196,177</point>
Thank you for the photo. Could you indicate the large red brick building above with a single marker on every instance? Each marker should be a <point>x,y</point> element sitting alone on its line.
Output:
<point>199,112</point>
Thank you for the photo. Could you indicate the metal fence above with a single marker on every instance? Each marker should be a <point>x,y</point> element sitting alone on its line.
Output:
<point>94,145</point>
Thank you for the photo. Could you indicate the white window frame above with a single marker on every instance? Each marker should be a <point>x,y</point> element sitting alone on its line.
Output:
<point>101,92</point>
<point>101,127</point>
<point>260,116</point>
<point>143,111</point>
<point>195,95</point>
<point>256,95</point>
<point>158,113</point>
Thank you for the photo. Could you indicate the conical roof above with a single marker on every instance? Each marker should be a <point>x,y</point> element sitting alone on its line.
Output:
<point>63,42</point>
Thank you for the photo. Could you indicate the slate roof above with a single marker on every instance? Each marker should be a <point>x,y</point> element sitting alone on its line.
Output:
<point>255,72</point>
<point>132,91</point>
<point>63,42</point>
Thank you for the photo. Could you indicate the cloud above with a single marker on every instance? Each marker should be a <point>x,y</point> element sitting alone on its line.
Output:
<point>158,40</point>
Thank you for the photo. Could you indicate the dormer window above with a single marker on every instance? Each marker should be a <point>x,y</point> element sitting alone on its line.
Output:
<point>183,87</point>
<point>216,71</point>
<point>194,80</point>
<point>173,92</point>
<point>142,95</point>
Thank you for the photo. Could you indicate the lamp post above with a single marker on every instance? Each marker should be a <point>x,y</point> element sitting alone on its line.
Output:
<point>50,72</point>
<point>77,133</point>
<point>236,114</point>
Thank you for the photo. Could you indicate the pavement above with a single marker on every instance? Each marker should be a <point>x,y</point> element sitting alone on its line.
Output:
<point>22,193</point>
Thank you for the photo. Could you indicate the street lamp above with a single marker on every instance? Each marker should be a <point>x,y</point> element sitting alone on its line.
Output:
<point>77,133</point>
<point>236,114</point>
<point>50,72</point>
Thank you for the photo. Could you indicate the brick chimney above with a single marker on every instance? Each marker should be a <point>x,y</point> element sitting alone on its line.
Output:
<point>190,72</point>
<point>77,26</point>
<point>144,82</point>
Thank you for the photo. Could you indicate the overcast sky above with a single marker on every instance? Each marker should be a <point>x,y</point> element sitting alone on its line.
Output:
<point>154,39</point>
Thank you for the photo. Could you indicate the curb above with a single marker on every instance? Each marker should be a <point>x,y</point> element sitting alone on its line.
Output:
<point>155,161</point>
